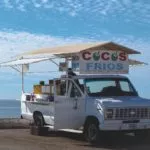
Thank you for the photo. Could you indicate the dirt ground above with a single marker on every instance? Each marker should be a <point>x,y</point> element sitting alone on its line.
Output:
<point>21,139</point>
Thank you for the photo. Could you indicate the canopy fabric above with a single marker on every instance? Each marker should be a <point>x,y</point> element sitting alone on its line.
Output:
<point>135,62</point>
<point>22,62</point>
<point>68,50</point>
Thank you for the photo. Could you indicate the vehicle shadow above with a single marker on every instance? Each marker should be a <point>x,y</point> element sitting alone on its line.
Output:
<point>110,141</point>
<point>69,135</point>
<point>123,141</point>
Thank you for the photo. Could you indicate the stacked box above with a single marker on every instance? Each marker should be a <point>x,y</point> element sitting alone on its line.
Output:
<point>37,89</point>
<point>46,89</point>
<point>41,89</point>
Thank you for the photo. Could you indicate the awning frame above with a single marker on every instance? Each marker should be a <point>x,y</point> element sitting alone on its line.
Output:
<point>67,51</point>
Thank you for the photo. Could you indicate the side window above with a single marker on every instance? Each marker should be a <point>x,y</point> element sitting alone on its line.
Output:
<point>75,91</point>
<point>99,86</point>
<point>61,87</point>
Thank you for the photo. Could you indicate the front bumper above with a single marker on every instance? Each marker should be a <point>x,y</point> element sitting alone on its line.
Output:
<point>120,126</point>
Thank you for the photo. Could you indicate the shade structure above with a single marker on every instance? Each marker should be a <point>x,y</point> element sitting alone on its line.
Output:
<point>68,50</point>
<point>25,61</point>
<point>133,62</point>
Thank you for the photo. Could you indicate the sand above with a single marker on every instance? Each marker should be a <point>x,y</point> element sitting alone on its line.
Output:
<point>16,136</point>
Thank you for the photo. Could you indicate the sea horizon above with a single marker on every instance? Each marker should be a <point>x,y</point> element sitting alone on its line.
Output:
<point>10,108</point>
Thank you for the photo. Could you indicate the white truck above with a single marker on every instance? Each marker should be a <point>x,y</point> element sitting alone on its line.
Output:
<point>90,102</point>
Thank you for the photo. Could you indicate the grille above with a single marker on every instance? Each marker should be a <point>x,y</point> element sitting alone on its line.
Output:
<point>131,113</point>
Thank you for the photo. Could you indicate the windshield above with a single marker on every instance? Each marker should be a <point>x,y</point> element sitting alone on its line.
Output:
<point>109,87</point>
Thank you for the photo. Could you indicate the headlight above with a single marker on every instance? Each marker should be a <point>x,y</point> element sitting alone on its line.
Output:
<point>109,113</point>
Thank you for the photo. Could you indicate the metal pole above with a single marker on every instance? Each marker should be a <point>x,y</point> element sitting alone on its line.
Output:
<point>22,74</point>
<point>67,86</point>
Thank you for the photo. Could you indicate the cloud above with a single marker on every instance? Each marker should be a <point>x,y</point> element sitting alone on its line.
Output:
<point>132,10</point>
<point>8,4</point>
<point>13,42</point>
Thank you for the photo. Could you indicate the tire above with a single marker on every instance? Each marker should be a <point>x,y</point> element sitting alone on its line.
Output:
<point>141,134</point>
<point>91,131</point>
<point>40,131</point>
<point>38,120</point>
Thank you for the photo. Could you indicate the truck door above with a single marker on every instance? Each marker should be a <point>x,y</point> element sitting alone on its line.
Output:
<point>69,106</point>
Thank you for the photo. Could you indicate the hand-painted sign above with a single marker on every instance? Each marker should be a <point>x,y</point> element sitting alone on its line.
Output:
<point>94,62</point>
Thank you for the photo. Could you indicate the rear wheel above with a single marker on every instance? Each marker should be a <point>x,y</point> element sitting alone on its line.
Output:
<point>38,128</point>
<point>91,131</point>
<point>38,120</point>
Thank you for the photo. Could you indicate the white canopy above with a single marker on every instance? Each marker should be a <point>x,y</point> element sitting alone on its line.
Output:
<point>26,61</point>
<point>65,52</point>
<point>68,50</point>
<point>23,61</point>
<point>133,62</point>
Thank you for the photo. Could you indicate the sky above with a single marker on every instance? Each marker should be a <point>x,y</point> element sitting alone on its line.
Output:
<point>32,24</point>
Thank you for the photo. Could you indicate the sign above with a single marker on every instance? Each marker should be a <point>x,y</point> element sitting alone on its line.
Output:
<point>62,66</point>
<point>25,68</point>
<point>104,62</point>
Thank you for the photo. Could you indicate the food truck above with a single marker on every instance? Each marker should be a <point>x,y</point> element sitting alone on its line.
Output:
<point>91,96</point>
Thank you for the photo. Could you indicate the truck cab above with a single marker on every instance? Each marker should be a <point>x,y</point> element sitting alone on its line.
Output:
<point>91,102</point>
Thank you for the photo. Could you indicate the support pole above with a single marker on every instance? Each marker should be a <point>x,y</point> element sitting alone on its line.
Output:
<point>22,75</point>
<point>67,86</point>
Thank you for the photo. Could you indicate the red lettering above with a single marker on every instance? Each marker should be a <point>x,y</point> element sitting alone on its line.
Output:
<point>86,55</point>
<point>105,56</point>
<point>122,56</point>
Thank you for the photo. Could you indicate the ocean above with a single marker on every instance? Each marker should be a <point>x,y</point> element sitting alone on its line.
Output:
<point>10,109</point>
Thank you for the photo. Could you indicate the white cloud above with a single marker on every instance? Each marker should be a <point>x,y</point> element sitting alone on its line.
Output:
<point>21,8</point>
<point>8,4</point>
<point>13,43</point>
<point>44,1</point>
<point>133,10</point>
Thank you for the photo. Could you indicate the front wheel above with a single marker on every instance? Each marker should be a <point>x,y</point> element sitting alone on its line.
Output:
<point>142,134</point>
<point>91,131</point>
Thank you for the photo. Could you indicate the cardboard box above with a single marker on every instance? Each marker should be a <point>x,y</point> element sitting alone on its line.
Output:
<point>46,89</point>
<point>37,89</point>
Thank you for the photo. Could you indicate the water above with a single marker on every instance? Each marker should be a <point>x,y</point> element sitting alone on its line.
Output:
<point>10,109</point>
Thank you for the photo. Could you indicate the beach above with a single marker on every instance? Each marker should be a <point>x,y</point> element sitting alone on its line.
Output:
<point>15,135</point>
